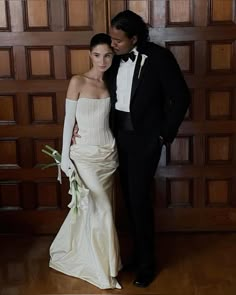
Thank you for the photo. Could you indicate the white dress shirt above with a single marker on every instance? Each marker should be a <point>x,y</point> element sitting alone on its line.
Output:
<point>124,83</point>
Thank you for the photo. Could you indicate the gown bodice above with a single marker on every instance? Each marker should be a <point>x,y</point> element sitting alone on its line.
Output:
<point>92,116</point>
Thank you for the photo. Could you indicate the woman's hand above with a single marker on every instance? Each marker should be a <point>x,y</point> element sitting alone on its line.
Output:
<point>75,133</point>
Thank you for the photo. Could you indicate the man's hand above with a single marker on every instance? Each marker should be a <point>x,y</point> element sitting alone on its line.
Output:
<point>75,133</point>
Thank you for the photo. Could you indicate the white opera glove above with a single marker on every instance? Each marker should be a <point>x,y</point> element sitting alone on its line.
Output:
<point>69,122</point>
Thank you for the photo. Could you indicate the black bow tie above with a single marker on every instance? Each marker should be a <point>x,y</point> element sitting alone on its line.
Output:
<point>126,56</point>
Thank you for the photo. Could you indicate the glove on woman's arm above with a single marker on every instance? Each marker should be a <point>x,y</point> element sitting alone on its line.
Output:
<point>69,122</point>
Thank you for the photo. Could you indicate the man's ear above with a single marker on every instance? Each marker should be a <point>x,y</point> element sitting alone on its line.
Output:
<point>134,39</point>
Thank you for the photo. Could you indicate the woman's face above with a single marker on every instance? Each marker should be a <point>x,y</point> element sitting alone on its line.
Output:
<point>101,57</point>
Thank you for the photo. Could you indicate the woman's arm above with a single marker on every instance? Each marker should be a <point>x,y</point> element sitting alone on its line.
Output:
<point>69,122</point>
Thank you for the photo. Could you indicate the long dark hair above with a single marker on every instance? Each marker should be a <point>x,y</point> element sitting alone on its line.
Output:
<point>133,25</point>
<point>98,39</point>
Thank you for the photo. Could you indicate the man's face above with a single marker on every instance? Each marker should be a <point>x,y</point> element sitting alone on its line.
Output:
<point>120,42</point>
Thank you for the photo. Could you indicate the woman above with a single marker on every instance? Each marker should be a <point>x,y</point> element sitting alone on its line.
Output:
<point>88,247</point>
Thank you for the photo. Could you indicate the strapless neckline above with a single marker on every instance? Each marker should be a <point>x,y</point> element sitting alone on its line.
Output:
<point>89,98</point>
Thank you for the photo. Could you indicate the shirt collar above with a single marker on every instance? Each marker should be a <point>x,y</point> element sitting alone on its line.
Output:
<point>135,51</point>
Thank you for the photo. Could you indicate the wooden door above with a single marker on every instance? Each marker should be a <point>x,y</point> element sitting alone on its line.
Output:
<point>42,43</point>
<point>194,187</point>
<point>195,183</point>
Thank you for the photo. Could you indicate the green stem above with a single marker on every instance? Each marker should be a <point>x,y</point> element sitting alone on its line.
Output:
<point>48,147</point>
<point>46,152</point>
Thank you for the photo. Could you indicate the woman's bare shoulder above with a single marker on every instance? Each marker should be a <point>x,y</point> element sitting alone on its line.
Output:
<point>77,81</point>
<point>75,86</point>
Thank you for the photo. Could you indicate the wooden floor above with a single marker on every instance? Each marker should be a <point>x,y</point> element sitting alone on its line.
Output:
<point>190,264</point>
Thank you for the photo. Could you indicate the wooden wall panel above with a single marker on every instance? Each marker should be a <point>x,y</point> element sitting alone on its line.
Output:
<point>6,63</point>
<point>40,62</point>
<point>10,196</point>
<point>219,104</point>
<point>222,11</point>
<point>218,192</point>
<point>181,151</point>
<point>141,7</point>
<point>8,152</point>
<point>4,16</point>
<point>179,12</point>
<point>78,60</point>
<point>7,110</point>
<point>180,193</point>
<point>48,195</point>
<point>184,53</point>
<point>219,149</point>
<point>33,19</point>
<point>35,67</point>
<point>115,6</point>
<point>221,58</point>
<point>78,14</point>
<point>43,108</point>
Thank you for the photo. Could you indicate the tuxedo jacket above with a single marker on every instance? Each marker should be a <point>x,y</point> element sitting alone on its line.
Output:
<point>159,95</point>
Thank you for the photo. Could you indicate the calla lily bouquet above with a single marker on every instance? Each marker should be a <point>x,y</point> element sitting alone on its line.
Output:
<point>56,157</point>
<point>78,191</point>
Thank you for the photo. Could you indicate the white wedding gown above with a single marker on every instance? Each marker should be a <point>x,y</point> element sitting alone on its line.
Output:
<point>86,245</point>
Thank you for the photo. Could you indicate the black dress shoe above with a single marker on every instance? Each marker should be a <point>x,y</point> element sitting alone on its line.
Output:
<point>144,278</point>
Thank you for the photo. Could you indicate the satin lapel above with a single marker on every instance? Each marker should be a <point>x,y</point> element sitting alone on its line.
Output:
<point>138,73</point>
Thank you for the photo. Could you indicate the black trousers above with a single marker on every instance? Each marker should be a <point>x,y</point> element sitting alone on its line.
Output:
<point>139,155</point>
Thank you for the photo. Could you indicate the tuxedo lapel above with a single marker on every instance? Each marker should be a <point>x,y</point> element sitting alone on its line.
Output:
<point>138,73</point>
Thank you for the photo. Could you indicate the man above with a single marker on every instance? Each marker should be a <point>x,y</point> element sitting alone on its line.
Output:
<point>149,101</point>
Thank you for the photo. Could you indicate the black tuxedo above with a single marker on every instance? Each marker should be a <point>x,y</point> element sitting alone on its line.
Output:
<point>159,100</point>
<point>160,96</point>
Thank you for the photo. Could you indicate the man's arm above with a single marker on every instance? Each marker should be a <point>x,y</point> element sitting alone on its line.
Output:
<point>176,95</point>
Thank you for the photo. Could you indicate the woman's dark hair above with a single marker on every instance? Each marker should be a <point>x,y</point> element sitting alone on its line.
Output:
<point>133,25</point>
<point>98,39</point>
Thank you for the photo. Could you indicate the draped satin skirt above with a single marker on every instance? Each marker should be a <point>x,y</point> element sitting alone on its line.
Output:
<point>86,245</point>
